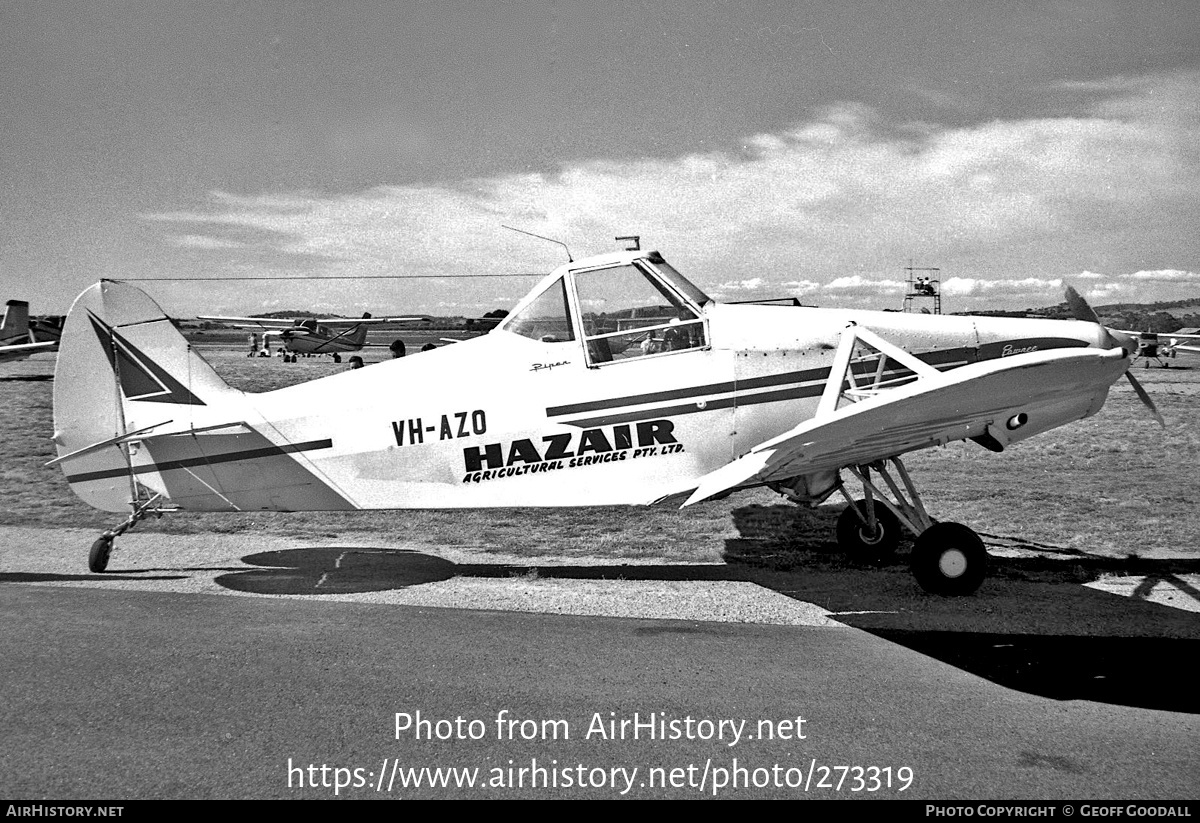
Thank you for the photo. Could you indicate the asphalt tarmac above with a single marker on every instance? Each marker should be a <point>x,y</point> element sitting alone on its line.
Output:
<point>229,669</point>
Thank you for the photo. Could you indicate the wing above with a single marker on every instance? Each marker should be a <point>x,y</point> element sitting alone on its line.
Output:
<point>1182,334</point>
<point>345,323</point>
<point>268,323</point>
<point>274,324</point>
<point>16,352</point>
<point>1004,400</point>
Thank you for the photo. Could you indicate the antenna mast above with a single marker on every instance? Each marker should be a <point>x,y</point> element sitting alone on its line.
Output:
<point>570,259</point>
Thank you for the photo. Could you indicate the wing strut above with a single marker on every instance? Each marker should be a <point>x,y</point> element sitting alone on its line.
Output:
<point>906,504</point>
<point>854,376</point>
<point>847,383</point>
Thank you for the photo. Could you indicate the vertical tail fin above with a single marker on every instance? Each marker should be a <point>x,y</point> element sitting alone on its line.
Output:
<point>359,336</point>
<point>14,328</point>
<point>123,366</point>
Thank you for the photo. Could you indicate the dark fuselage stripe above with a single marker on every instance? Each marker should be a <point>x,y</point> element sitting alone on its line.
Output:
<point>943,359</point>
<point>204,460</point>
<point>955,356</point>
<point>740,400</point>
<point>691,391</point>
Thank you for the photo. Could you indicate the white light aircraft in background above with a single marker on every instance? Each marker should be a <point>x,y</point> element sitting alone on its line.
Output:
<point>1159,345</point>
<point>555,407</point>
<point>1184,341</point>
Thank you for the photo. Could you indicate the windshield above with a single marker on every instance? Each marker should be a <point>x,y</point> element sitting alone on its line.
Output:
<point>627,313</point>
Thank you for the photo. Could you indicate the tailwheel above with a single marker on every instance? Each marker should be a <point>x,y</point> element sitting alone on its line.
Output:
<point>868,531</point>
<point>101,550</point>
<point>949,559</point>
<point>98,556</point>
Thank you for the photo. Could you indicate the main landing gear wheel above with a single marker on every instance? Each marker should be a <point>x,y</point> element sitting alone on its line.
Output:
<point>98,556</point>
<point>949,558</point>
<point>857,539</point>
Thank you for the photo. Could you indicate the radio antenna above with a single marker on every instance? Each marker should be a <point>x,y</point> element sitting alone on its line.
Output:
<point>570,259</point>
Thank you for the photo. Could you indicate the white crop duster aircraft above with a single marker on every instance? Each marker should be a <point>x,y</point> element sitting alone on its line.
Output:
<point>615,381</point>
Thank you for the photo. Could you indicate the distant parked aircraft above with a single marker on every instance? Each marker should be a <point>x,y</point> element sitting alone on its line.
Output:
<point>16,339</point>
<point>1159,345</point>
<point>328,335</point>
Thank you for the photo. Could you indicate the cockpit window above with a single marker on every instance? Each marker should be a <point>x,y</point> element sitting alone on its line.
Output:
<point>627,314</point>
<point>546,318</point>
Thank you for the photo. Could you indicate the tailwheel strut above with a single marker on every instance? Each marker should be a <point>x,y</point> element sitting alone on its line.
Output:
<point>947,558</point>
<point>102,549</point>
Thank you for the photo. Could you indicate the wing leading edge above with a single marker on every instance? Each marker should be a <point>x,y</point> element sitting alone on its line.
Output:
<point>282,324</point>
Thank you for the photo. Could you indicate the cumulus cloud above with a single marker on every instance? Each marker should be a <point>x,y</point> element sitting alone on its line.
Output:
<point>1028,285</point>
<point>863,284</point>
<point>801,287</point>
<point>841,200</point>
<point>752,284</point>
<point>1167,276</point>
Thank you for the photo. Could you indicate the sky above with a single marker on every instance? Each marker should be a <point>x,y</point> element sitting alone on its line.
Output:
<point>767,149</point>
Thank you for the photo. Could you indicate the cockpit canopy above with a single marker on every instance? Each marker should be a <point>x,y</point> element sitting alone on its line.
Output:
<point>621,306</point>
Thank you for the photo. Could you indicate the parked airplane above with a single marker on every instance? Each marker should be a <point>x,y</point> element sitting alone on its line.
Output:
<point>1184,341</point>
<point>1159,345</point>
<point>16,339</point>
<point>546,410</point>
<point>327,335</point>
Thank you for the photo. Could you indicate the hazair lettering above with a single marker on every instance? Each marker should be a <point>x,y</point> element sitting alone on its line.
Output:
<point>568,450</point>
<point>412,431</point>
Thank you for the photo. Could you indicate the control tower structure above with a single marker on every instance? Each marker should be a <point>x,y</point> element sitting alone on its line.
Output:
<point>924,292</point>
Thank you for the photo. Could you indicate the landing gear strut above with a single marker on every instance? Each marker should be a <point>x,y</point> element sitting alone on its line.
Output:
<point>868,531</point>
<point>103,547</point>
<point>947,558</point>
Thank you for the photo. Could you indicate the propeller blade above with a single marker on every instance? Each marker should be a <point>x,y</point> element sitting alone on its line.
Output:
<point>1080,310</point>
<point>1137,387</point>
<point>1079,307</point>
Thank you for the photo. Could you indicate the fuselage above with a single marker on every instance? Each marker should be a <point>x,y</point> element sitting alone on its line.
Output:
<point>539,412</point>
<point>313,338</point>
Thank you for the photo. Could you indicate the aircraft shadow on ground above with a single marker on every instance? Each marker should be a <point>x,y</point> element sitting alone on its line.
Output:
<point>1032,627</point>
<point>40,577</point>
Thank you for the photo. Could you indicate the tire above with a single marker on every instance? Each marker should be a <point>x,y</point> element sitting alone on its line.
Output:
<point>949,559</point>
<point>98,556</point>
<point>853,538</point>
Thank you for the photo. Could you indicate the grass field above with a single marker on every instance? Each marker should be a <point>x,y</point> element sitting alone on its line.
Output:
<point>1115,485</point>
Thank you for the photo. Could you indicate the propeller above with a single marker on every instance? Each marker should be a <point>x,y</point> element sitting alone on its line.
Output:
<point>1080,310</point>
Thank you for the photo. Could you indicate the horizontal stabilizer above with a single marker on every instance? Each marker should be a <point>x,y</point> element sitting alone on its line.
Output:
<point>112,441</point>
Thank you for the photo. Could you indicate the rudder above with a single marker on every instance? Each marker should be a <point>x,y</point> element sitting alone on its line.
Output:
<point>123,366</point>
<point>14,327</point>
